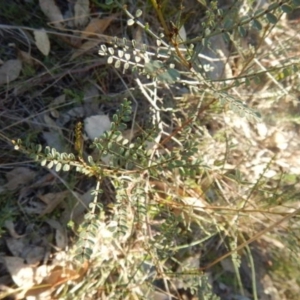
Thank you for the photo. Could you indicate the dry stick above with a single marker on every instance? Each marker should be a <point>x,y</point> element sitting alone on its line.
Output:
<point>161,18</point>
<point>254,238</point>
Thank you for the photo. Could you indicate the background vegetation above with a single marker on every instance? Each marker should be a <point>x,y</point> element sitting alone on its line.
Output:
<point>150,149</point>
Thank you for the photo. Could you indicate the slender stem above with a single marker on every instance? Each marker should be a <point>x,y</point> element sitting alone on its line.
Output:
<point>252,239</point>
<point>161,18</point>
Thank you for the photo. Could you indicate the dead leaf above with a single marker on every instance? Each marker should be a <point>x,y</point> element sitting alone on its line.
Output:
<point>84,48</point>
<point>49,122</point>
<point>21,172</point>
<point>52,200</point>
<point>15,246</point>
<point>19,176</point>
<point>31,252</point>
<point>81,12</point>
<point>54,139</point>
<point>58,100</point>
<point>54,136</point>
<point>77,214</point>
<point>46,180</point>
<point>33,255</point>
<point>10,71</point>
<point>57,276</point>
<point>52,12</point>
<point>9,225</point>
<point>95,27</point>
<point>277,140</point>
<point>61,275</point>
<point>37,281</point>
<point>42,41</point>
<point>30,204</point>
<point>21,273</point>
<point>26,58</point>
<point>60,233</point>
<point>95,126</point>
<point>54,105</point>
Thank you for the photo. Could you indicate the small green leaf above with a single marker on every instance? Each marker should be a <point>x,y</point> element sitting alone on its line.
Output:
<point>115,118</point>
<point>259,12</point>
<point>50,165</point>
<point>125,142</point>
<point>71,156</point>
<point>271,18</point>
<point>90,160</point>
<point>257,80</point>
<point>39,148</point>
<point>295,69</point>
<point>130,22</point>
<point>207,32</point>
<point>64,156</point>
<point>43,162</point>
<point>171,76</point>
<point>286,72</point>
<point>182,171</point>
<point>66,168</point>
<point>273,6</point>
<point>88,251</point>
<point>58,167</point>
<point>53,151</point>
<point>247,82</point>
<point>286,8</point>
<point>47,149</point>
<point>245,19</point>
<point>256,24</point>
<point>117,64</point>
<point>110,60</point>
<point>138,13</point>
<point>226,37</point>
<point>112,125</point>
<point>229,22</point>
<point>242,31</point>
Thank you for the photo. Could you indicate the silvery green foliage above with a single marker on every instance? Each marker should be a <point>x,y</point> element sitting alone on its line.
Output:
<point>230,22</point>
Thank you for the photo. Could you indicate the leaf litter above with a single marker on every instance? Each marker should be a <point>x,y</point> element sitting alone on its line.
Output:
<point>10,71</point>
<point>32,239</point>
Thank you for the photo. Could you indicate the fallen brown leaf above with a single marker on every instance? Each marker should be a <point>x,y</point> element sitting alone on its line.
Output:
<point>17,177</point>
<point>26,58</point>
<point>10,226</point>
<point>81,12</point>
<point>42,41</point>
<point>60,233</point>
<point>52,200</point>
<point>52,12</point>
<point>10,71</point>
<point>96,26</point>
